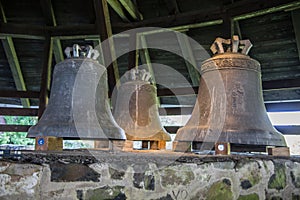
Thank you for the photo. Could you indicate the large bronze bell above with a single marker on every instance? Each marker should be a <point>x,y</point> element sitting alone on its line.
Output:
<point>136,110</point>
<point>78,106</point>
<point>230,106</point>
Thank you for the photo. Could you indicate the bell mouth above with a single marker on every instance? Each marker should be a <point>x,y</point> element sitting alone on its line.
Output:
<point>159,136</point>
<point>239,137</point>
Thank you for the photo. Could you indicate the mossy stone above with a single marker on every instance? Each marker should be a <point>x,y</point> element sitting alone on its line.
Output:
<point>295,179</point>
<point>249,197</point>
<point>278,179</point>
<point>115,174</point>
<point>106,193</point>
<point>295,197</point>
<point>173,177</point>
<point>220,190</point>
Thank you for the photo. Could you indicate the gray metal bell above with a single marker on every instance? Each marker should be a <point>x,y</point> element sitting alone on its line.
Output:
<point>78,106</point>
<point>230,106</point>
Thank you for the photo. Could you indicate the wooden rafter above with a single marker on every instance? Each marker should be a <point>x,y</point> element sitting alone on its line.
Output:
<point>296,24</point>
<point>185,20</point>
<point>19,111</point>
<point>187,52</point>
<point>117,7</point>
<point>49,15</point>
<point>240,10</point>
<point>13,61</point>
<point>46,75</point>
<point>19,94</point>
<point>132,9</point>
<point>132,55</point>
<point>103,26</point>
<point>145,57</point>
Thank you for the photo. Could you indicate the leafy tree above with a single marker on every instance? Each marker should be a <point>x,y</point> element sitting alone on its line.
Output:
<point>17,137</point>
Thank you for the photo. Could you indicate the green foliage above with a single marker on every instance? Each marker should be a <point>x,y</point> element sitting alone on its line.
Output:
<point>17,137</point>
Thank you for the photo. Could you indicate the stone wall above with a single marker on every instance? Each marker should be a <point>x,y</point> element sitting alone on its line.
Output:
<point>148,176</point>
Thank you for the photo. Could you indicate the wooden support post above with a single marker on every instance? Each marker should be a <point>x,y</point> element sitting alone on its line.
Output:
<point>132,55</point>
<point>49,16</point>
<point>104,29</point>
<point>101,144</point>
<point>278,151</point>
<point>154,145</point>
<point>116,145</point>
<point>190,60</point>
<point>238,29</point>
<point>145,144</point>
<point>117,7</point>
<point>48,144</point>
<point>46,76</point>
<point>296,24</point>
<point>128,145</point>
<point>145,57</point>
<point>222,148</point>
<point>228,26</point>
<point>132,9</point>
<point>13,61</point>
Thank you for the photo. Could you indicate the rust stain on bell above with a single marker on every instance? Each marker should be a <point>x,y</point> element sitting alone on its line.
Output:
<point>230,106</point>
<point>136,108</point>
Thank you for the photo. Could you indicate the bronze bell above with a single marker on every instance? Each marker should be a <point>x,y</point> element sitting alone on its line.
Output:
<point>78,106</point>
<point>136,110</point>
<point>230,106</point>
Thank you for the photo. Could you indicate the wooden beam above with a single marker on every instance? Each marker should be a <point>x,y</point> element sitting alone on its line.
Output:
<point>104,30</point>
<point>288,94</point>
<point>296,24</point>
<point>248,9</point>
<point>145,57</point>
<point>132,55</point>
<point>46,76</point>
<point>132,9</point>
<point>176,111</point>
<point>26,31</point>
<point>281,84</point>
<point>18,111</point>
<point>283,106</point>
<point>50,19</point>
<point>14,128</point>
<point>177,91</point>
<point>240,10</point>
<point>15,67</point>
<point>13,61</point>
<point>271,107</point>
<point>267,85</point>
<point>172,6</point>
<point>19,94</point>
<point>289,130</point>
<point>72,30</point>
<point>117,7</point>
<point>190,61</point>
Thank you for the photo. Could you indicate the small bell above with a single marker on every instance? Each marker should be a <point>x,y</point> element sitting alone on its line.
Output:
<point>136,110</point>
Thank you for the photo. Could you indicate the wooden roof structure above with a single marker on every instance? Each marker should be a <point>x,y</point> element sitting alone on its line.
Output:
<point>34,34</point>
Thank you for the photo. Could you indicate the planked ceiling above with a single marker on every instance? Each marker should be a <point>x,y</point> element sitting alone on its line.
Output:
<point>272,26</point>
